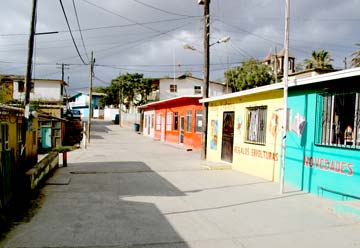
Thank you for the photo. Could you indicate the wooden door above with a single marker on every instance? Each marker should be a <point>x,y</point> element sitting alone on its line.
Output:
<point>227,137</point>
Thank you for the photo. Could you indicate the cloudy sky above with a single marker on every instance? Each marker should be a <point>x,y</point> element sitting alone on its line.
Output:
<point>147,36</point>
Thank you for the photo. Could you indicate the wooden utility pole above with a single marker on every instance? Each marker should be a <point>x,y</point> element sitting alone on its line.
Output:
<point>28,73</point>
<point>206,76</point>
<point>90,95</point>
<point>285,112</point>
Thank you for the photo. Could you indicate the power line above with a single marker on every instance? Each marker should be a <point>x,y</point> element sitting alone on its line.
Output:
<point>161,10</point>
<point>112,26</point>
<point>67,22</point>
<point>78,22</point>
<point>126,18</point>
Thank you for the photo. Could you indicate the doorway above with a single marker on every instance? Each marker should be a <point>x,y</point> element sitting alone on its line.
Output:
<point>182,124</point>
<point>227,137</point>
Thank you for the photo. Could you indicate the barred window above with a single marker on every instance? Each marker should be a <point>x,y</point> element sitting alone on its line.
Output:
<point>256,125</point>
<point>198,120</point>
<point>168,121</point>
<point>188,121</point>
<point>338,119</point>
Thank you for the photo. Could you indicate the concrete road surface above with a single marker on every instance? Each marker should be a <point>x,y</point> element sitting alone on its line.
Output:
<point>126,190</point>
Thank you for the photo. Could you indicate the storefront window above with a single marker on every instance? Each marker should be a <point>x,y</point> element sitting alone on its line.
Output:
<point>338,120</point>
<point>256,125</point>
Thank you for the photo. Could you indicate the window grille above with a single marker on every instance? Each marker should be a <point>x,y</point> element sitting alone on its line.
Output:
<point>256,125</point>
<point>188,121</point>
<point>338,120</point>
<point>198,119</point>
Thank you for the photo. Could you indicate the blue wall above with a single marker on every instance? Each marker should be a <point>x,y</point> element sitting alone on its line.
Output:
<point>332,168</point>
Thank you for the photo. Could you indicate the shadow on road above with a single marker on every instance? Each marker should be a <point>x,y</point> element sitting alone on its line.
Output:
<point>91,211</point>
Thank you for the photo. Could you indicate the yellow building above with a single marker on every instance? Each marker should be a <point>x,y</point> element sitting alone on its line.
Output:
<point>244,130</point>
<point>12,157</point>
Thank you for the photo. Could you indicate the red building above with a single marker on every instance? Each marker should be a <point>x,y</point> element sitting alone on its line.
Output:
<point>177,121</point>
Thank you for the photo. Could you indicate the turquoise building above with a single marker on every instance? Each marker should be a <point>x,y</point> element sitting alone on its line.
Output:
<point>323,144</point>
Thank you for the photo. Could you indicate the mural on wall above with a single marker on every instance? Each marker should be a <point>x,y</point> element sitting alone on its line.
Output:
<point>214,134</point>
<point>239,124</point>
<point>274,124</point>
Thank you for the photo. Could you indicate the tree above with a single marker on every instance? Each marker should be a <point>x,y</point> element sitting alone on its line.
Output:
<point>355,57</point>
<point>252,73</point>
<point>319,60</point>
<point>128,89</point>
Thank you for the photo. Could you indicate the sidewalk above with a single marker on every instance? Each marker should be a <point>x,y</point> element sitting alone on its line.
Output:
<point>127,190</point>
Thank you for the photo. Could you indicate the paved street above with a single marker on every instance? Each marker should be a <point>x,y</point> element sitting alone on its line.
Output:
<point>127,190</point>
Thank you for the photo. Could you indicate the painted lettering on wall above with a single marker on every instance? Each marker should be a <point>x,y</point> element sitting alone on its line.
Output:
<point>335,166</point>
<point>256,153</point>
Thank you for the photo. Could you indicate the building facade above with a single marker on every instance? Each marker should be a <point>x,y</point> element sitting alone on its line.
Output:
<point>323,151</point>
<point>176,121</point>
<point>187,86</point>
<point>322,141</point>
<point>244,130</point>
<point>80,101</point>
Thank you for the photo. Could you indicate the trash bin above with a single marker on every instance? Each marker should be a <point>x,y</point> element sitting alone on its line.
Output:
<point>136,127</point>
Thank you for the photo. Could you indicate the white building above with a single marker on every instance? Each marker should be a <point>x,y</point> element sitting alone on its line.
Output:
<point>186,86</point>
<point>47,90</point>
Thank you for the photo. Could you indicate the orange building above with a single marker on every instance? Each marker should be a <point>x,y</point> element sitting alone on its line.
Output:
<point>177,121</point>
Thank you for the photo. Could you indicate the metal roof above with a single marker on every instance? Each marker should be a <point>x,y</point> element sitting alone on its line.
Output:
<point>292,83</point>
<point>175,99</point>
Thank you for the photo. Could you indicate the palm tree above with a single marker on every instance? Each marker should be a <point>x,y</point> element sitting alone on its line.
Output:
<point>355,57</point>
<point>319,60</point>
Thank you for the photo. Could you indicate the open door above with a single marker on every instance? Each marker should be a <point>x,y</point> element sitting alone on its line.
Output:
<point>182,124</point>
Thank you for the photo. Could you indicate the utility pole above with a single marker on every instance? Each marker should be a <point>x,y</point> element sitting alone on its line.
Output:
<point>28,73</point>
<point>275,65</point>
<point>205,105</point>
<point>90,95</point>
<point>285,113</point>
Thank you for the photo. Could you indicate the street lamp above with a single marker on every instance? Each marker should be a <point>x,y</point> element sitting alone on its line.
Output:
<point>206,87</point>
<point>207,45</point>
<point>221,40</point>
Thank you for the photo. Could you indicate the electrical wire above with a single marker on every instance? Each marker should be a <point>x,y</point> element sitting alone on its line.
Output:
<point>82,38</point>
<point>161,10</point>
<point>112,26</point>
<point>129,19</point>
<point>67,22</point>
